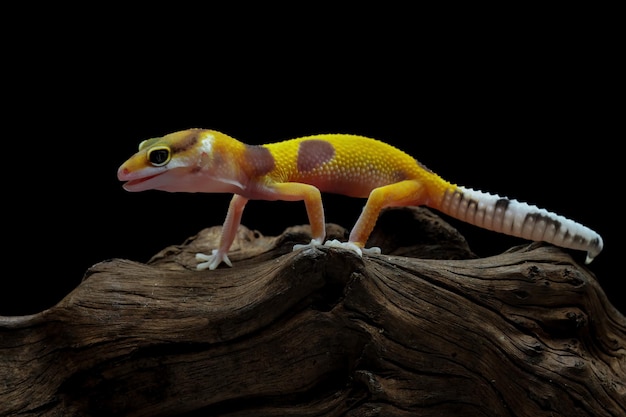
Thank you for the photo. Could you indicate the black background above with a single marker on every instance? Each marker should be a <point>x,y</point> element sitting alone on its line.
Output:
<point>524,105</point>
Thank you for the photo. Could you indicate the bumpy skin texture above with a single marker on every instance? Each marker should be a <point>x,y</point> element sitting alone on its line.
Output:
<point>198,160</point>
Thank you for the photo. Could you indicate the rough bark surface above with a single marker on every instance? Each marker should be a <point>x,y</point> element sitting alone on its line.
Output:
<point>322,332</point>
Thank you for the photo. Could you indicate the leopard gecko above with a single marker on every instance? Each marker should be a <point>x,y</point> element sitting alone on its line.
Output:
<point>200,160</point>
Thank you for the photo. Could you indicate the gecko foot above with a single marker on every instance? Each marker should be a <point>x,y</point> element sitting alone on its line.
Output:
<point>314,242</point>
<point>212,261</point>
<point>353,247</point>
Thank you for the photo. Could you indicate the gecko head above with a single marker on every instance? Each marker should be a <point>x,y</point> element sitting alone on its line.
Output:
<point>178,162</point>
<point>159,160</point>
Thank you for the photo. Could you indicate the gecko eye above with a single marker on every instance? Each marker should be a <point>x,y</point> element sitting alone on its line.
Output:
<point>159,156</point>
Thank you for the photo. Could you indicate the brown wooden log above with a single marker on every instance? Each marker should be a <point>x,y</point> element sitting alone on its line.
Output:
<point>322,332</point>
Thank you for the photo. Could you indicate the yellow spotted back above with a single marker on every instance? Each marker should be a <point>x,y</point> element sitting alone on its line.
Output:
<point>341,163</point>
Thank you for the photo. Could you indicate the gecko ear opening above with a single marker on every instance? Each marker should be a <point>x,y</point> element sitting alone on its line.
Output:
<point>159,156</point>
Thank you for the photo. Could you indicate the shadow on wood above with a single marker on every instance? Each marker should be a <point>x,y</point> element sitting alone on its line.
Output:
<point>322,332</point>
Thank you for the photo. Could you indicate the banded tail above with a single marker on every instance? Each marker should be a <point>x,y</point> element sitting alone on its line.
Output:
<point>519,219</point>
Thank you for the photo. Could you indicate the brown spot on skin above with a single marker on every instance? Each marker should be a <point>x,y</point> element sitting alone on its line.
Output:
<point>536,218</point>
<point>502,204</point>
<point>470,202</point>
<point>313,153</point>
<point>595,244</point>
<point>188,142</point>
<point>260,160</point>
<point>399,176</point>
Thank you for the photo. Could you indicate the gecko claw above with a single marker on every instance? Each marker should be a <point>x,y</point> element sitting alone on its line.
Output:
<point>313,243</point>
<point>374,250</point>
<point>211,261</point>
<point>344,245</point>
<point>353,247</point>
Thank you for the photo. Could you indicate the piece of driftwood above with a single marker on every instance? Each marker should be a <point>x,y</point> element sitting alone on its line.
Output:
<point>322,332</point>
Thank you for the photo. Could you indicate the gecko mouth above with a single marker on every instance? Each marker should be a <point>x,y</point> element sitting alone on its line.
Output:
<point>135,183</point>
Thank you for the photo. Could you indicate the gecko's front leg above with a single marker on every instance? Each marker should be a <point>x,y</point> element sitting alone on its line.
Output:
<point>229,231</point>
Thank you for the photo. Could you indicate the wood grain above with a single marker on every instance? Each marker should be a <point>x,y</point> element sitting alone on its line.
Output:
<point>322,332</point>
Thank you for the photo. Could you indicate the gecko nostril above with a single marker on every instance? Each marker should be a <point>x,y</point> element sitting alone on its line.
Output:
<point>121,172</point>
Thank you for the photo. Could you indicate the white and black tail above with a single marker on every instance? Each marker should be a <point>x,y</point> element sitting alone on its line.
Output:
<point>519,219</point>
